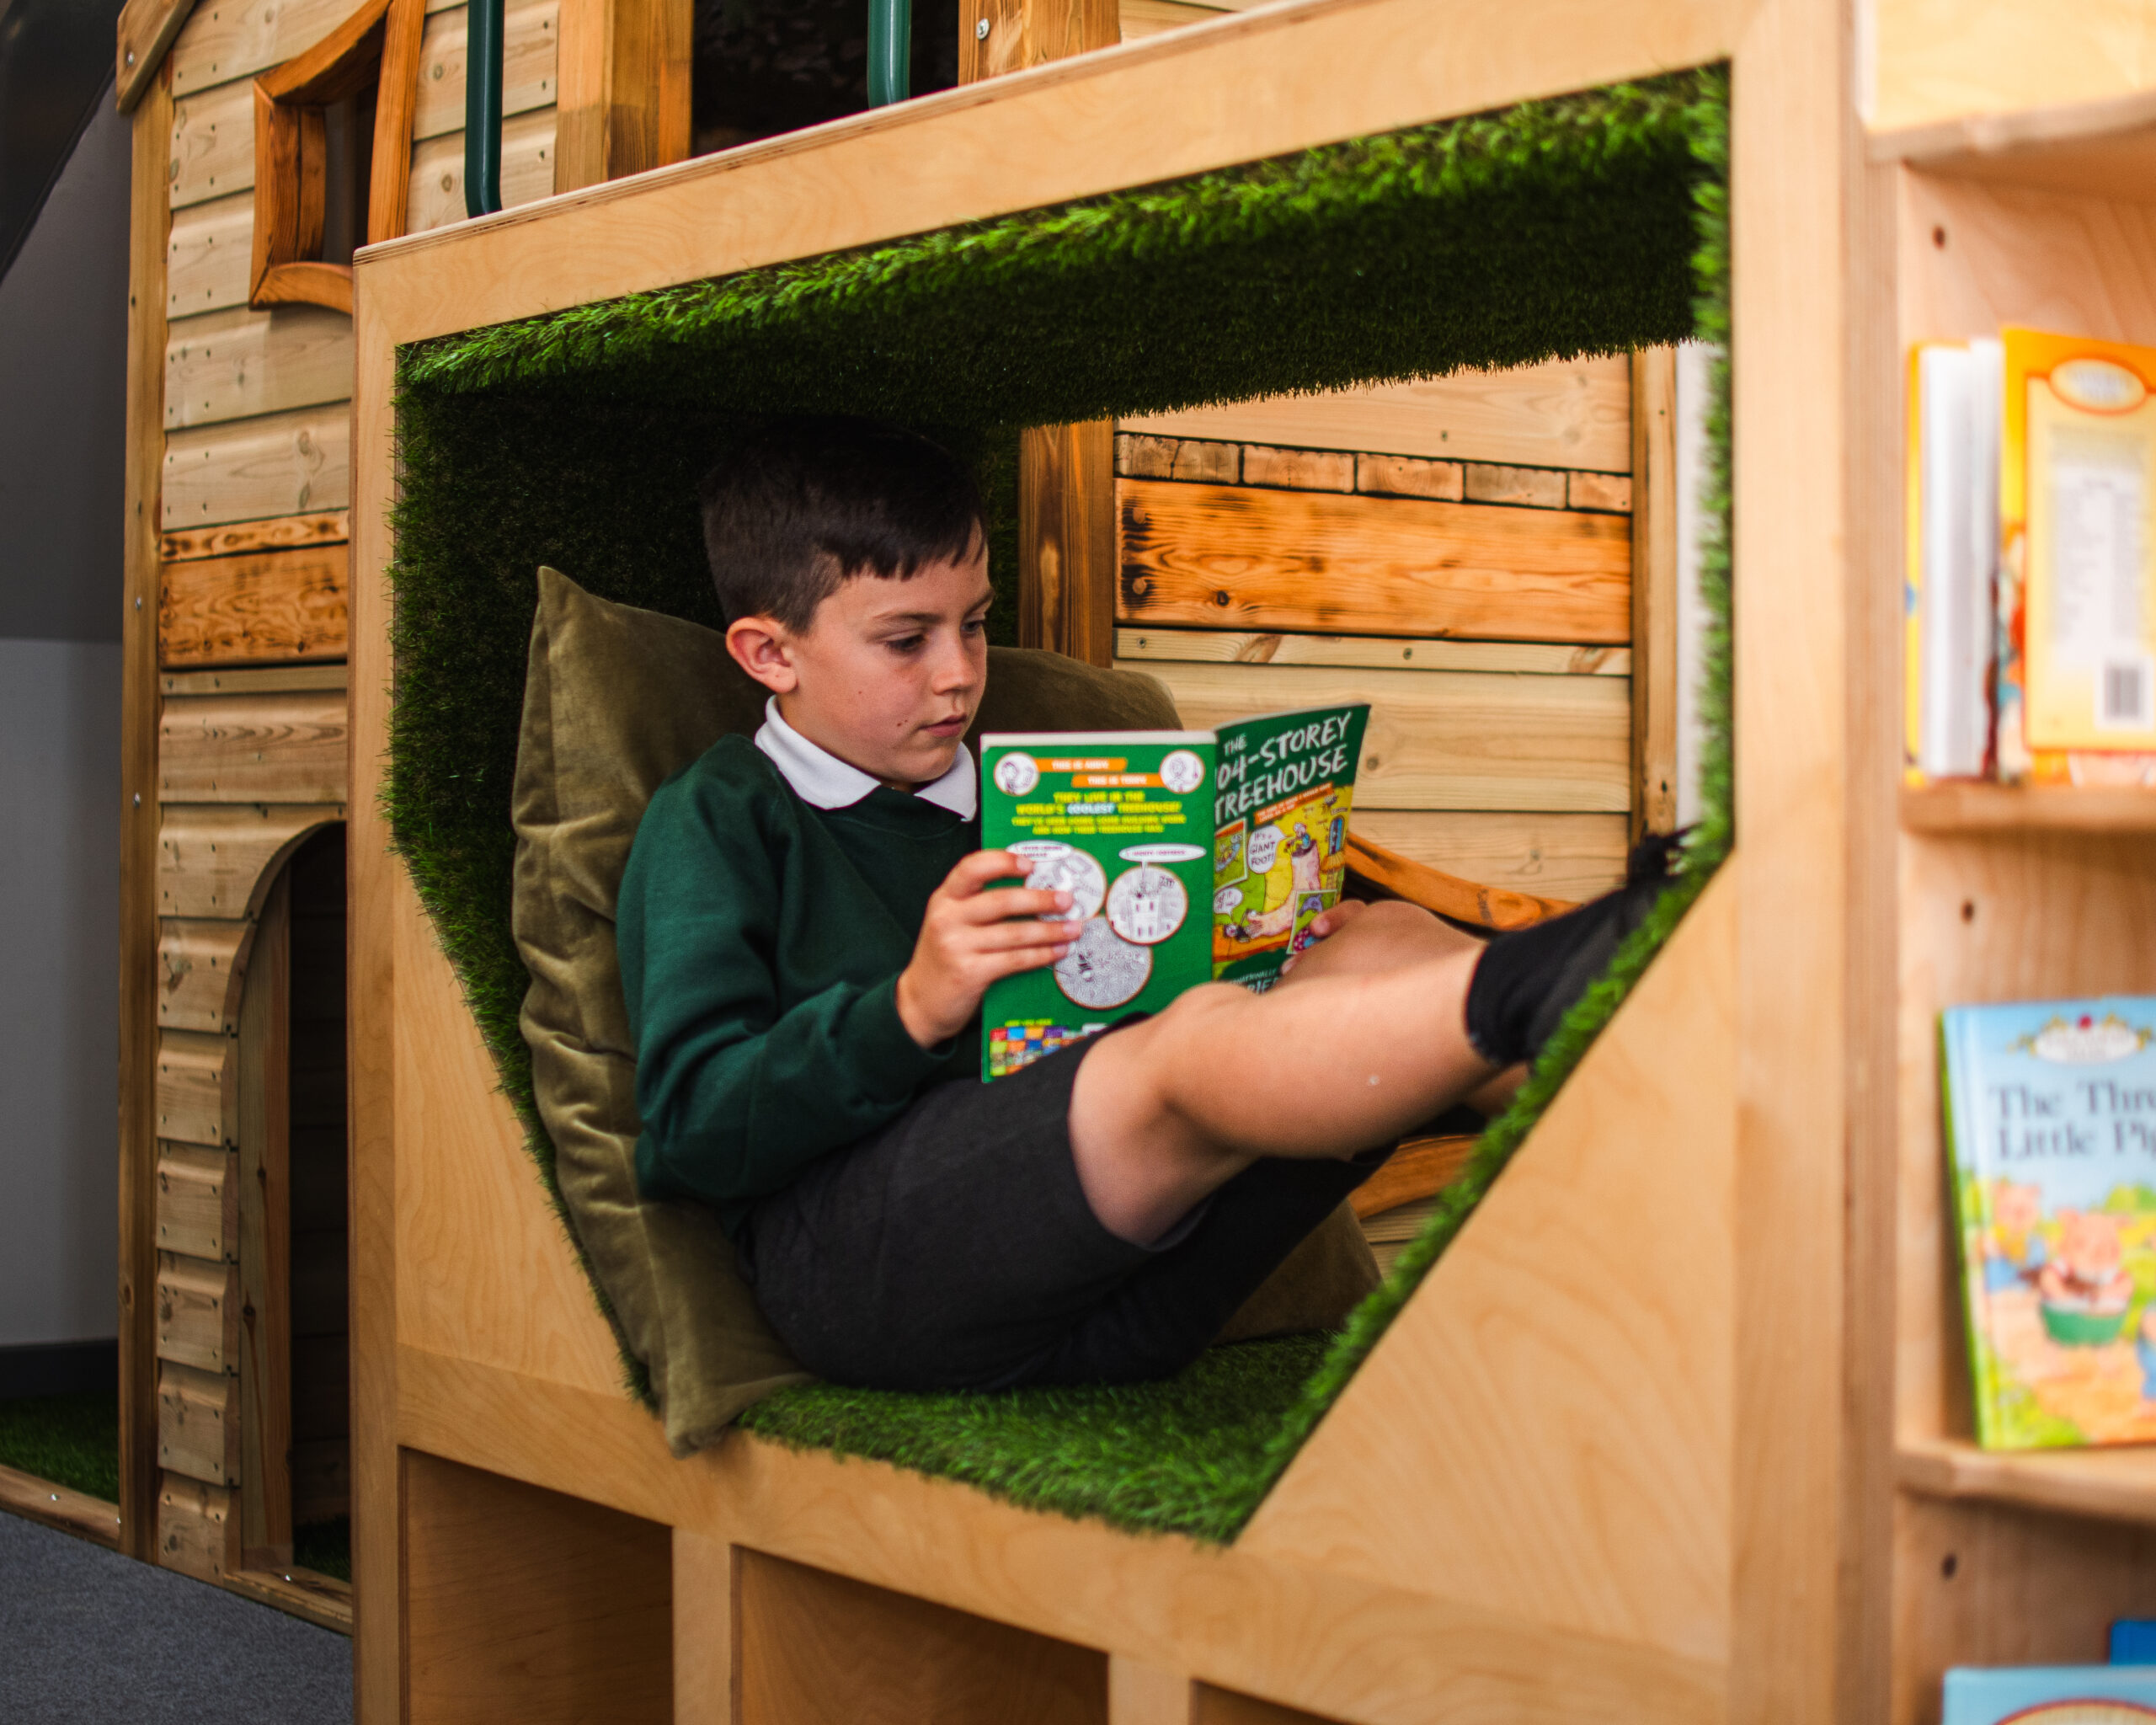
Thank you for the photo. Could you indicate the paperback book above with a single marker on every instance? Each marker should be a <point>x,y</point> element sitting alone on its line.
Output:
<point>2051,1132</point>
<point>1188,855</point>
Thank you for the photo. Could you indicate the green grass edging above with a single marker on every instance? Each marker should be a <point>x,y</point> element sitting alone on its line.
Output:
<point>72,1440</point>
<point>1585,224</point>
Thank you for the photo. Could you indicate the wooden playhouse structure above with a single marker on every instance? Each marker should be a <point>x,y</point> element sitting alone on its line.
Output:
<point>1675,1429</point>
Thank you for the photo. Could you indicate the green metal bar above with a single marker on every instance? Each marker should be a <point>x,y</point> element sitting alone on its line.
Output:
<point>890,50</point>
<point>482,108</point>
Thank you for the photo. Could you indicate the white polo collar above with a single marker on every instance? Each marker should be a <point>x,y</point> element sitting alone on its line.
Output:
<point>823,780</point>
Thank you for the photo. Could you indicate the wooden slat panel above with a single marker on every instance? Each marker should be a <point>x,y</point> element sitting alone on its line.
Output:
<point>1378,652</point>
<point>1444,739</point>
<point>146,31</point>
<point>195,1081</point>
<point>1576,856</point>
<point>198,1424</point>
<point>200,965</point>
<point>226,39</point>
<point>1565,413</point>
<point>438,170</point>
<point>1201,555</point>
<point>263,608</point>
<point>282,464</point>
<point>529,42</point>
<point>214,859</point>
<point>257,680</point>
<point>279,533</point>
<point>1142,19</point>
<point>198,1312</point>
<point>285,748</point>
<point>233,364</point>
<point>198,1201</point>
<point>213,145</point>
<point>1370,864</point>
<point>207,255</point>
<point>197,1532</point>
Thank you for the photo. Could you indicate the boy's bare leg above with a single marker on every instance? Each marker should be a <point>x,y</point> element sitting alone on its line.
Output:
<point>1371,1039</point>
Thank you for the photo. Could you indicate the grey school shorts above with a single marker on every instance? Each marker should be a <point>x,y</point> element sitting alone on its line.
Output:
<point>954,1248</point>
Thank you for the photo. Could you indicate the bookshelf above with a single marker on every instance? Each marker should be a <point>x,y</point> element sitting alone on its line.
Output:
<point>2046,218</point>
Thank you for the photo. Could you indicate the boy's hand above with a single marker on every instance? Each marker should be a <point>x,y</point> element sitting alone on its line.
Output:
<point>970,937</point>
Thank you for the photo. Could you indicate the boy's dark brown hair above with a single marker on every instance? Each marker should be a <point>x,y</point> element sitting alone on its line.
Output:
<point>801,506</point>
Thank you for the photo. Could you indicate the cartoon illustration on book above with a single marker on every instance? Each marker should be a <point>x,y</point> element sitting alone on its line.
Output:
<point>1101,969</point>
<point>1297,851</point>
<point>1147,905</point>
<point>2050,1116</point>
<point>1061,868</point>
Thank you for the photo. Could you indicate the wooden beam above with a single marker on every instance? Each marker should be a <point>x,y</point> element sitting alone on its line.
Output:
<point>279,465</point>
<point>59,1506</point>
<point>263,1443</point>
<point>1654,590</point>
<point>279,533</point>
<point>1139,646</point>
<point>1447,894</point>
<point>255,609</point>
<point>1022,34</point>
<point>147,29</point>
<point>624,103</point>
<point>1067,539</point>
<point>149,215</point>
<point>245,748</point>
<point>1236,556</point>
<point>1422,1167</point>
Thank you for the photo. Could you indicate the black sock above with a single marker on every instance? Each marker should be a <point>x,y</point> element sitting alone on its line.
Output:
<point>1525,982</point>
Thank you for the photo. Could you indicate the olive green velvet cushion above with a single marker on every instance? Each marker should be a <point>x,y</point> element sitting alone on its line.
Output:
<point>615,699</point>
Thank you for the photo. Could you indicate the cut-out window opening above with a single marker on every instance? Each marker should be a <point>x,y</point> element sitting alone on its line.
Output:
<point>332,150</point>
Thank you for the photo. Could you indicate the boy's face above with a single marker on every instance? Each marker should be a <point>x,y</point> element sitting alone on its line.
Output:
<point>889,672</point>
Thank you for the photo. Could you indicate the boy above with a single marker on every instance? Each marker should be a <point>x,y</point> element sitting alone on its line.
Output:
<point>807,928</point>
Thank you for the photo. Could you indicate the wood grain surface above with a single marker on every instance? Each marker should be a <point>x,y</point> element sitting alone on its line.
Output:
<point>208,255</point>
<point>437,193</point>
<point>283,748</point>
<point>217,859</point>
<point>265,608</point>
<point>198,1424</point>
<point>195,1087</point>
<point>529,74</point>
<point>1444,739</point>
<point>212,144</point>
<point>236,38</point>
<point>199,968</point>
<point>1551,856</point>
<point>198,1312</point>
<point>198,1201</point>
<point>282,464</point>
<point>1561,414</point>
<point>1238,557</point>
<point>278,533</point>
<point>236,364</point>
<point>53,1505</point>
<point>625,70</point>
<point>1446,894</point>
<point>1134,646</point>
<point>198,1531</point>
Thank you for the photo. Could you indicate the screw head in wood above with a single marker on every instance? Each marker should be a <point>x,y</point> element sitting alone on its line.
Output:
<point>980,31</point>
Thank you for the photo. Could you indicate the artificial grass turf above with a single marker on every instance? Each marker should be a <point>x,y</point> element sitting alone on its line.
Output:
<point>71,1441</point>
<point>325,1547</point>
<point>1586,224</point>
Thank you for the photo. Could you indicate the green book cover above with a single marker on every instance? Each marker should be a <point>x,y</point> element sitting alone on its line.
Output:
<point>1188,855</point>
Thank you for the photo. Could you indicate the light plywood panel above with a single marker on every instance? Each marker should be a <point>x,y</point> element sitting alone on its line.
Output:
<point>196,1080</point>
<point>198,1312</point>
<point>2016,254</point>
<point>1574,856</point>
<point>235,363</point>
<point>216,859</point>
<point>198,1201</point>
<point>703,1629</point>
<point>1141,18</point>
<point>224,39</point>
<point>198,1528</point>
<point>530,36</point>
<point>198,1424</point>
<point>269,608</point>
<point>1233,647</point>
<point>213,145</point>
<point>1444,739</point>
<point>272,748</point>
<point>282,464</point>
<point>200,965</point>
<point>438,171</point>
<point>1241,557</point>
<point>818,1647</point>
<point>1934,60</point>
<point>1579,1374</point>
<point>207,255</point>
<point>1563,413</point>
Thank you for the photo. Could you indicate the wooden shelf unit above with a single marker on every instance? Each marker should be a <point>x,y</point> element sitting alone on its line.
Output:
<point>2001,893</point>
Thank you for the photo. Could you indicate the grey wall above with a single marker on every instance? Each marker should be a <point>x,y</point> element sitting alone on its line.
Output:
<point>63,351</point>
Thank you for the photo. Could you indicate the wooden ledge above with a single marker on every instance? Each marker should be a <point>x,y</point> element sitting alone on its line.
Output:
<point>2115,1484</point>
<point>71,1512</point>
<point>321,1600</point>
<point>1973,808</point>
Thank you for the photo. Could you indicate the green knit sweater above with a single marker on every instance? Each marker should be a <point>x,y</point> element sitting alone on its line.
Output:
<point>761,942</point>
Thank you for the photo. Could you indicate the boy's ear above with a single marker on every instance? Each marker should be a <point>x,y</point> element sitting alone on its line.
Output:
<point>762,646</point>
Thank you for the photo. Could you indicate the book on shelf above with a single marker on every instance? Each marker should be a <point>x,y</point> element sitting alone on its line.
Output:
<point>2049,1116</point>
<point>1188,855</point>
<point>2050,1695</point>
<point>2031,478</point>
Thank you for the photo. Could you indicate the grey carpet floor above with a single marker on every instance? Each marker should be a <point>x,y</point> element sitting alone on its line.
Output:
<point>88,1636</point>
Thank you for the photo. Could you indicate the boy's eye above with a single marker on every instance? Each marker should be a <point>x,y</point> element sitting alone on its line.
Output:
<point>975,625</point>
<point>905,643</point>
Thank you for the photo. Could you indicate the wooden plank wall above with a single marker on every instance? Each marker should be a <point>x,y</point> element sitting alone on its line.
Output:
<point>248,762</point>
<point>1457,552</point>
